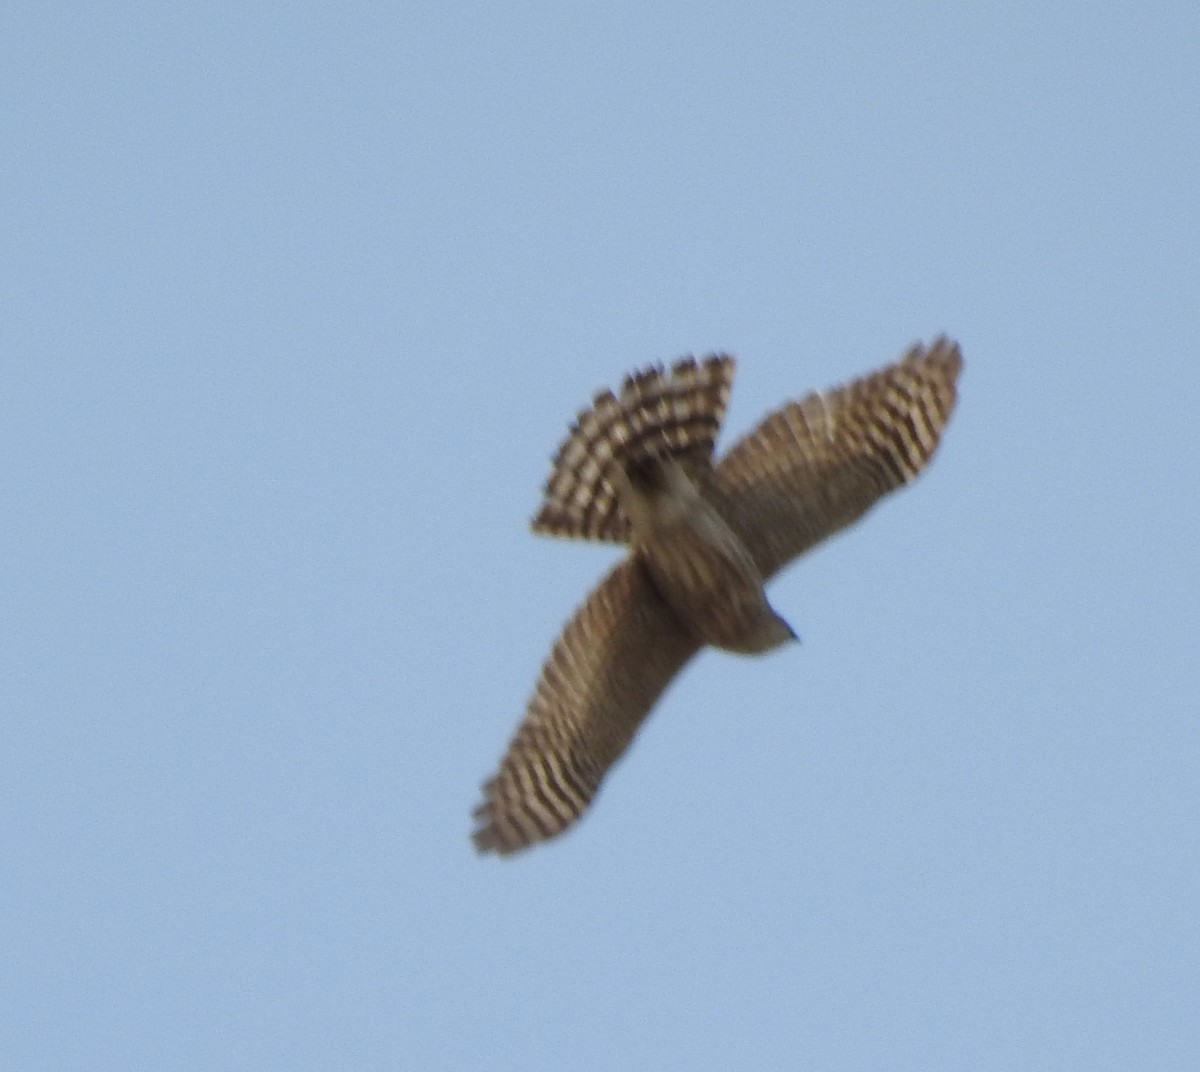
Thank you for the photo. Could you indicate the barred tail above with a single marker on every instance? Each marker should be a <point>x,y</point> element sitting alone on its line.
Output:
<point>658,413</point>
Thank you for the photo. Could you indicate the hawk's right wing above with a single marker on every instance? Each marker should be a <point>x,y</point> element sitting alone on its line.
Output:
<point>607,669</point>
<point>819,464</point>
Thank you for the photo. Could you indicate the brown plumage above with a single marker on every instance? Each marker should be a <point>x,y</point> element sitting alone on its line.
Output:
<point>638,468</point>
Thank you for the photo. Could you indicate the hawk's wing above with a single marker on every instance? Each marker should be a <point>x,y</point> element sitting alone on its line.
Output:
<point>607,669</point>
<point>819,464</point>
<point>658,413</point>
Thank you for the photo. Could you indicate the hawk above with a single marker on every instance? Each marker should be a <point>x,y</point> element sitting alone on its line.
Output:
<point>704,535</point>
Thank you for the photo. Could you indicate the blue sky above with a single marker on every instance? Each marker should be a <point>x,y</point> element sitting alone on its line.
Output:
<point>297,303</point>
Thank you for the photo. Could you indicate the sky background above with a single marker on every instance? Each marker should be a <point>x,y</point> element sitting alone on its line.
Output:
<point>297,301</point>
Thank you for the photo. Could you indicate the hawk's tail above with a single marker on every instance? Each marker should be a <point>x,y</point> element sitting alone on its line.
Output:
<point>658,413</point>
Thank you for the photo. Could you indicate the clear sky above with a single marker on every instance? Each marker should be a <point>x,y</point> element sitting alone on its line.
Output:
<point>296,302</point>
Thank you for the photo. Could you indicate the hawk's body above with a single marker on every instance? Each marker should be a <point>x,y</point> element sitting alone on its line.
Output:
<point>638,468</point>
<point>696,561</point>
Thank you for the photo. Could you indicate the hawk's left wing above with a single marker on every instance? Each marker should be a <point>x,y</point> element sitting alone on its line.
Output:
<point>607,669</point>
